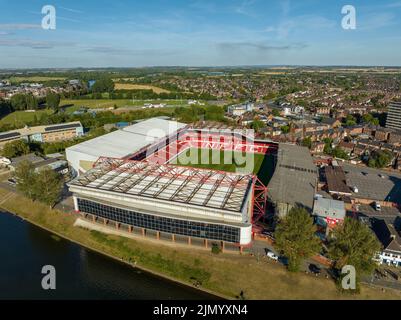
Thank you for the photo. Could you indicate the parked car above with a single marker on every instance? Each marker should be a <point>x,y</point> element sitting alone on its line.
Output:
<point>12,182</point>
<point>377,206</point>
<point>314,269</point>
<point>271,255</point>
<point>268,234</point>
<point>283,261</point>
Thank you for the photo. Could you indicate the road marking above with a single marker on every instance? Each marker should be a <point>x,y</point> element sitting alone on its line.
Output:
<point>7,197</point>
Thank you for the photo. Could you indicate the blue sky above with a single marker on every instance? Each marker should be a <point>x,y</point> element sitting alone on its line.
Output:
<point>133,33</point>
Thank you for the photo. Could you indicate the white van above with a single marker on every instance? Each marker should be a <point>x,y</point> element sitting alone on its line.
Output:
<point>271,255</point>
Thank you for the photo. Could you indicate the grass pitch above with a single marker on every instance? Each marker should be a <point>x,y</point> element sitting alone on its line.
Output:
<point>229,161</point>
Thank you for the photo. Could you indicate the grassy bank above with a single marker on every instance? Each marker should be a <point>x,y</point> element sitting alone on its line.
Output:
<point>20,118</point>
<point>224,274</point>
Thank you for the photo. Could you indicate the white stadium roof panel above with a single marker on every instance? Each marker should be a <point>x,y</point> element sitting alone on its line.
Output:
<point>156,128</point>
<point>211,189</point>
<point>122,143</point>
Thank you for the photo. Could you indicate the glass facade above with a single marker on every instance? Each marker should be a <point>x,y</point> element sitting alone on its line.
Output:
<point>169,225</point>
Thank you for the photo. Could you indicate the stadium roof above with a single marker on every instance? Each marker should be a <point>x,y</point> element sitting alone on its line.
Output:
<point>125,142</point>
<point>295,177</point>
<point>197,187</point>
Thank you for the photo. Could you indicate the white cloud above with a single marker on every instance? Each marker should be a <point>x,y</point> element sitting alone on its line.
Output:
<point>19,26</point>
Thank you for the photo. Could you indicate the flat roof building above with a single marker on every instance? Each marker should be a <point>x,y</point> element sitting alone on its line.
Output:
<point>373,184</point>
<point>121,143</point>
<point>329,213</point>
<point>49,133</point>
<point>294,181</point>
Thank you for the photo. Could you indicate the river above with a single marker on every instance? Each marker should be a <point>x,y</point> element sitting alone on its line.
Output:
<point>80,273</point>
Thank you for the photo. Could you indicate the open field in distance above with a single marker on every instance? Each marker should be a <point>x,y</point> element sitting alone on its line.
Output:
<point>34,79</point>
<point>130,86</point>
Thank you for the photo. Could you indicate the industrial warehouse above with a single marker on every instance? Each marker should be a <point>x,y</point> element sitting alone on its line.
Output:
<point>130,184</point>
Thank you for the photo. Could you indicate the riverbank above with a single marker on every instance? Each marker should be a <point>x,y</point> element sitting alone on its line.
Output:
<point>223,275</point>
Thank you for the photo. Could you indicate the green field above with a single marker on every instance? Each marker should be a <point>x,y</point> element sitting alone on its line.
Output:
<point>258,164</point>
<point>110,103</point>
<point>20,118</point>
<point>34,79</point>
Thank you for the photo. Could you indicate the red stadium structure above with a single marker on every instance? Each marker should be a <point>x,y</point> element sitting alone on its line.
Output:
<point>162,152</point>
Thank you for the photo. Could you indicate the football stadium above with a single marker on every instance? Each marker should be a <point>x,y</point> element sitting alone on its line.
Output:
<point>200,183</point>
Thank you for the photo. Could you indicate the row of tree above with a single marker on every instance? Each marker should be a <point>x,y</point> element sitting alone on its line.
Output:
<point>143,94</point>
<point>351,243</point>
<point>21,101</point>
<point>44,185</point>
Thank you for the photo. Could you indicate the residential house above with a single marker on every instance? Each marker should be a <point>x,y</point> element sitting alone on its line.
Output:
<point>348,147</point>
<point>328,213</point>
<point>390,239</point>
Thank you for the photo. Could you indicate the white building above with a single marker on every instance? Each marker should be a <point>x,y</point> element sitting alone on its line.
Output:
<point>390,239</point>
<point>121,143</point>
<point>239,110</point>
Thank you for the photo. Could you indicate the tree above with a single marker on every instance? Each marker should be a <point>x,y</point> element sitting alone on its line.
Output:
<point>18,101</point>
<point>350,121</point>
<point>31,102</point>
<point>103,85</point>
<point>295,236</point>
<point>257,125</point>
<point>276,112</point>
<point>5,107</point>
<point>15,149</point>
<point>285,129</point>
<point>52,100</point>
<point>50,185</point>
<point>353,243</point>
<point>307,142</point>
<point>368,118</point>
<point>338,152</point>
<point>26,179</point>
<point>214,113</point>
<point>380,159</point>
<point>328,149</point>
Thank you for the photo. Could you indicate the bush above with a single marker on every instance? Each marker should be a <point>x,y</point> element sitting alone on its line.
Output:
<point>216,248</point>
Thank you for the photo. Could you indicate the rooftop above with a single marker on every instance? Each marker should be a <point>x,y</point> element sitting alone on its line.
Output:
<point>204,188</point>
<point>336,180</point>
<point>39,129</point>
<point>295,177</point>
<point>387,235</point>
<point>329,208</point>
<point>125,142</point>
<point>374,184</point>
